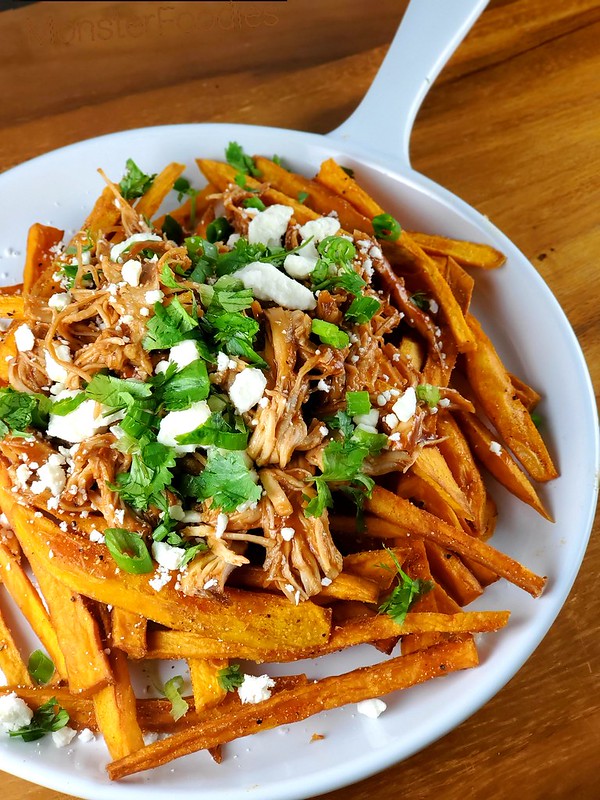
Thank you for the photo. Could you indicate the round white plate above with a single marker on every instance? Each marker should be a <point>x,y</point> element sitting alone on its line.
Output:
<point>537,343</point>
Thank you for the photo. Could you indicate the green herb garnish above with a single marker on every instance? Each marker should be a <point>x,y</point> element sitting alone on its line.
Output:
<point>48,718</point>
<point>218,230</point>
<point>226,480</point>
<point>240,161</point>
<point>362,309</point>
<point>386,227</point>
<point>134,183</point>
<point>329,333</point>
<point>428,393</point>
<point>172,691</point>
<point>357,403</point>
<point>230,678</point>
<point>40,667</point>
<point>405,595</point>
<point>128,550</point>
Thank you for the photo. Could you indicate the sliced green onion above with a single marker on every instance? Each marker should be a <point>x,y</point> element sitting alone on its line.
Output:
<point>218,230</point>
<point>329,333</point>
<point>357,403</point>
<point>128,550</point>
<point>40,667</point>
<point>362,309</point>
<point>302,196</point>
<point>386,227</point>
<point>172,691</point>
<point>254,202</point>
<point>172,229</point>
<point>428,394</point>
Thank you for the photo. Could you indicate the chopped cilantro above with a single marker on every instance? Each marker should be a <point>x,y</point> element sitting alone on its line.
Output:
<point>20,411</point>
<point>226,481</point>
<point>68,404</point>
<point>334,268</point>
<point>116,392</point>
<point>420,300</point>
<point>172,229</point>
<point>189,385</point>
<point>134,183</point>
<point>329,333</point>
<point>168,326</point>
<point>302,197</point>
<point>316,506</point>
<point>240,161</point>
<point>254,202</point>
<point>48,718</point>
<point>218,432</point>
<point>230,678</point>
<point>406,593</point>
<point>148,477</point>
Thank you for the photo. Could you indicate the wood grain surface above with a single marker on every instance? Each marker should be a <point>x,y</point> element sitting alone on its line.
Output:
<point>512,126</point>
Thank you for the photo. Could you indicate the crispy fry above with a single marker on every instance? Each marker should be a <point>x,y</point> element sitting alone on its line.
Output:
<point>432,468</point>
<point>494,390</point>
<point>39,241</point>
<point>115,710</point>
<point>8,352</point>
<point>207,690</point>
<point>421,523</point>
<point>467,254</point>
<point>417,567</point>
<point>11,306</point>
<point>148,205</point>
<point>244,616</point>
<point>455,577</point>
<point>28,600</point>
<point>11,662</point>
<point>302,702</point>
<point>500,462</point>
<point>128,632</point>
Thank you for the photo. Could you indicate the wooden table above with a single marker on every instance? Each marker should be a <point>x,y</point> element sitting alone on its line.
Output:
<point>512,126</point>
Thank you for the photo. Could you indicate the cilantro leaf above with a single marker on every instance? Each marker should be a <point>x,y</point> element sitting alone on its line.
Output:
<point>168,326</point>
<point>134,183</point>
<point>218,230</point>
<point>115,392</point>
<point>316,505</point>
<point>405,595</point>
<point>49,717</point>
<point>203,255</point>
<point>240,161</point>
<point>68,404</point>
<point>226,480</point>
<point>172,229</point>
<point>189,385</point>
<point>148,477</point>
<point>20,410</point>
<point>218,432</point>
<point>334,268</point>
<point>230,678</point>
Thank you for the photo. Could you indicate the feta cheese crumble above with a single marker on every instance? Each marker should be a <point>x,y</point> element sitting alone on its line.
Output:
<point>55,370</point>
<point>371,708</point>
<point>287,534</point>
<point>406,405</point>
<point>83,422</point>
<point>14,713</point>
<point>495,448</point>
<point>131,272</point>
<point>255,689</point>
<point>117,250</point>
<point>64,736</point>
<point>24,338</point>
<point>268,283</point>
<point>176,423</point>
<point>167,556</point>
<point>301,265</point>
<point>270,225</point>
<point>58,302</point>
<point>247,389</point>
<point>184,353</point>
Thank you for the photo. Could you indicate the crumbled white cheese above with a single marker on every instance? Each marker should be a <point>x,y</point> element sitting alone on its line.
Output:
<point>86,736</point>
<point>55,370</point>
<point>192,517</point>
<point>433,306</point>
<point>51,475</point>
<point>406,405</point>
<point>83,422</point>
<point>23,473</point>
<point>495,448</point>
<point>176,423</point>
<point>371,708</point>
<point>144,311</point>
<point>235,237</point>
<point>167,556</point>
<point>118,249</point>
<point>24,338</point>
<point>14,713</point>
<point>161,577</point>
<point>64,736</point>
<point>255,689</point>
<point>444,402</point>
<point>210,584</point>
<point>131,272</point>
<point>287,534</point>
<point>96,536</point>
<point>270,225</point>
<point>221,525</point>
<point>176,512</point>
<point>153,296</point>
<point>301,265</point>
<point>247,389</point>
<point>326,581</point>
<point>391,420</point>
<point>184,353</point>
<point>323,387</point>
<point>59,301</point>
<point>268,283</point>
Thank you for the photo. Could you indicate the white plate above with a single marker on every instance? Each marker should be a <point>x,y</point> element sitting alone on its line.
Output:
<point>536,341</point>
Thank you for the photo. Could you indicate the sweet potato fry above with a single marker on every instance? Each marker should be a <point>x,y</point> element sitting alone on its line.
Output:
<point>467,254</point>
<point>339,182</point>
<point>319,198</point>
<point>432,468</point>
<point>8,352</point>
<point>128,632</point>
<point>11,662</point>
<point>499,462</point>
<point>30,603</point>
<point>302,702</point>
<point>207,690</point>
<point>421,523</point>
<point>38,257</point>
<point>495,392</point>
<point>11,306</point>
<point>455,577</point>
<point>245,616</point>
<point>417,567</point>
<point>115,710</point>
<point>179,644</point>
<point>77,632</point>
<point>526,394</point>
<point>149,204</point>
